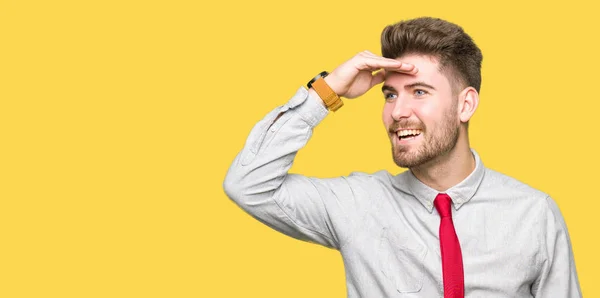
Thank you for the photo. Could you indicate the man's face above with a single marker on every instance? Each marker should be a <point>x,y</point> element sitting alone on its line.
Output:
<point>420,113</point>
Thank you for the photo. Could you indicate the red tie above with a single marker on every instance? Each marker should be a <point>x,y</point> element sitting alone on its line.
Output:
<point>452,264</point>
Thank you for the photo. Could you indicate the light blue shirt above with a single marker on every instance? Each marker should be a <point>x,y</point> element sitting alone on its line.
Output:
<point>513,238</point>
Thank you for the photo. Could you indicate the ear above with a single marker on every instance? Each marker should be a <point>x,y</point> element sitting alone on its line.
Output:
<point>468,100</point>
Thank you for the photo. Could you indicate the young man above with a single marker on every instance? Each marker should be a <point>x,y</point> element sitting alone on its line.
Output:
<point>449,226</point>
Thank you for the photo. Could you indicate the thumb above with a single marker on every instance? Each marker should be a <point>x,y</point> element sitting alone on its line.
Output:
<point>378,78</point>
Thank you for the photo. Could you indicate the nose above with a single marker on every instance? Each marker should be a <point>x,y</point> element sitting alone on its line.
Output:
<point>401,108</point>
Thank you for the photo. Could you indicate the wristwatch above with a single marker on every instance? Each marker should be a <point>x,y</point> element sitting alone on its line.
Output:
<point>330,98</point>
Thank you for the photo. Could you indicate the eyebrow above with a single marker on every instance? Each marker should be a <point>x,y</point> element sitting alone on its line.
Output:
<point>409,86</point>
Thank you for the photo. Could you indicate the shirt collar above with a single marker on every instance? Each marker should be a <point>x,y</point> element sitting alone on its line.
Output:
<point>460,193</point>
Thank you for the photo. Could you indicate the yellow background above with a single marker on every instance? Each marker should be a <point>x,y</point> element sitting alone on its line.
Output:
<point>119,119</point>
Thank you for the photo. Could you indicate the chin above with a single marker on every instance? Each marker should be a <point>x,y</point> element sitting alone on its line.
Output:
<point>406,163</point>
<point>406,160</point>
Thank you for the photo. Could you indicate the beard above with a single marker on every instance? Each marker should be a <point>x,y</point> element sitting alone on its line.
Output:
<point>434,143</point>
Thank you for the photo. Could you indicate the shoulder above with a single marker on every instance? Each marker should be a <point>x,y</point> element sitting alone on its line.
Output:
<point>378,180</point>
<point>511,188</point>
<point>519,199</point>
<point>522,199</point>
<point>366,184</point>
<point>368,180</point>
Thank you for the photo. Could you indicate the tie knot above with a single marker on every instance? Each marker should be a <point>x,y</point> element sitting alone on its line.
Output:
<point>442,204</point>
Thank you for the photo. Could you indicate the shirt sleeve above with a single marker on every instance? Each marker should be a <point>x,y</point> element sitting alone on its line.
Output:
<point>558,277</point>
<point>309,209</point>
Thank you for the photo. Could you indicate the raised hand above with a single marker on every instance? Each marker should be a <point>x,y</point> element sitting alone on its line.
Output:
<point>355,77</point>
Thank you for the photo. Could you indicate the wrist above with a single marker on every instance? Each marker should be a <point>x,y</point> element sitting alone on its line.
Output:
<point>332,84</point>
<point>323,90</point>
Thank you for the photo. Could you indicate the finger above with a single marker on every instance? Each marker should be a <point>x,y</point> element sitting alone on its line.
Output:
<point>402,67</point>
<point>372,55</point>
<point>373,64</point>
<point>378,78</point>
<point>405,68</point>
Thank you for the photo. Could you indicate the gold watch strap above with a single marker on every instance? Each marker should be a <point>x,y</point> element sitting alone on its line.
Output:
<point>330,98</point>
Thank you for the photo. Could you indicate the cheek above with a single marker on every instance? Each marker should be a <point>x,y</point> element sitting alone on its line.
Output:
<point>429,114</point>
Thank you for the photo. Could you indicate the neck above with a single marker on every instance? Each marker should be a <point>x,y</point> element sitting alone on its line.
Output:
<point>447,170</point>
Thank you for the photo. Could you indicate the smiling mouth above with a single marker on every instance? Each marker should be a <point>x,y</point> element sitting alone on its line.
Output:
<point>408,134</point>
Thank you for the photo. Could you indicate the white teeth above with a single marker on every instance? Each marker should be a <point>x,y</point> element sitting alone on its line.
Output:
<point>405,132</point>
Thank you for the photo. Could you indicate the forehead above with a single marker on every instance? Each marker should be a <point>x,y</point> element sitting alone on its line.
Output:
<point>428,72</point>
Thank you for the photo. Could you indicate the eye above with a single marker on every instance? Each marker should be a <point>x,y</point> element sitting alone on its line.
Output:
<point>389,96</point>
<point>420,92</point>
